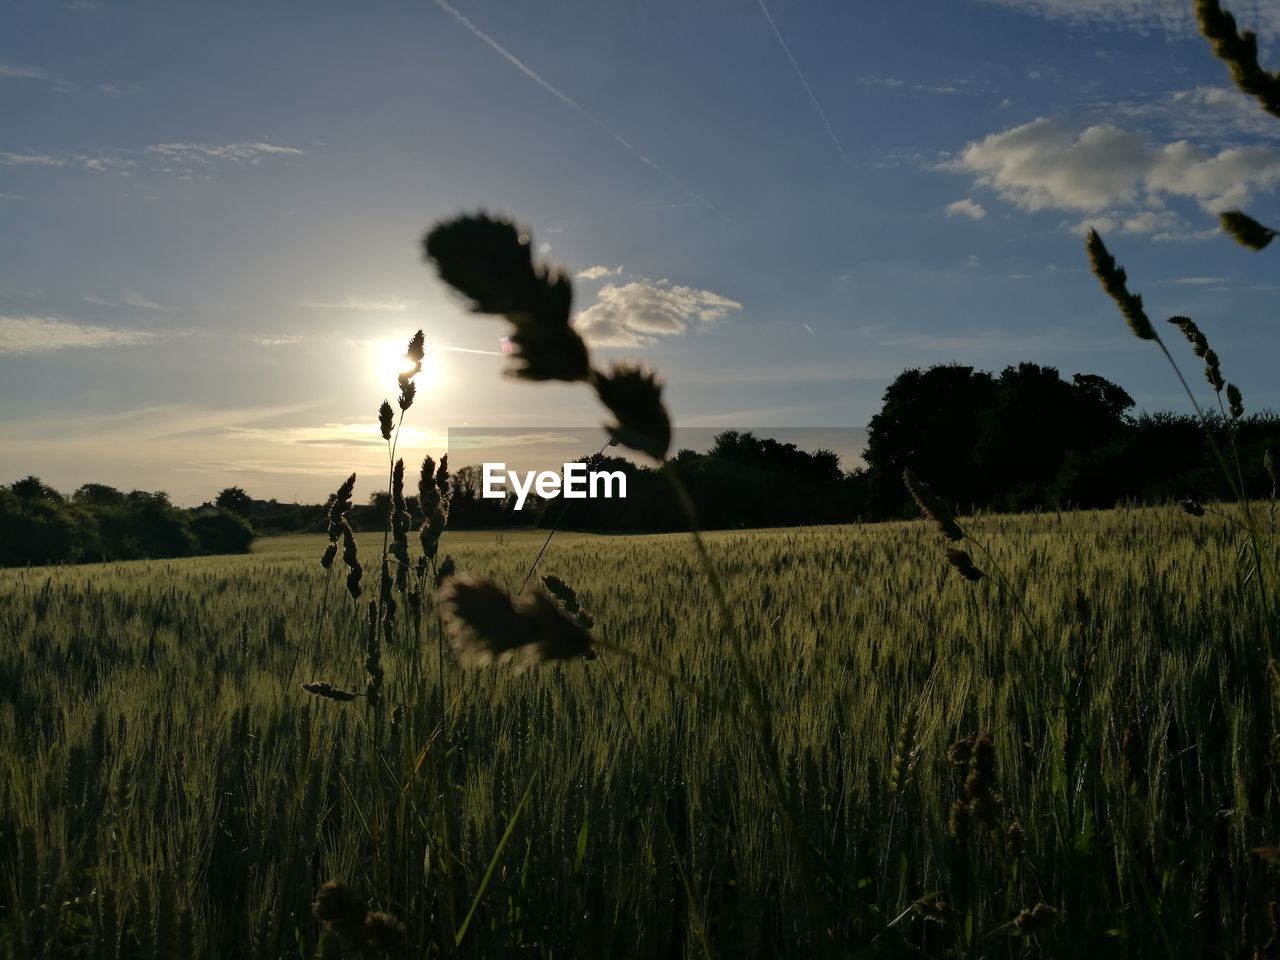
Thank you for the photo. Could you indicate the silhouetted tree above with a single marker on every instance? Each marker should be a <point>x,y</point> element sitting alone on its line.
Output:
<point>234,499</point>
<point>930,421</point>
<point>222,532</point>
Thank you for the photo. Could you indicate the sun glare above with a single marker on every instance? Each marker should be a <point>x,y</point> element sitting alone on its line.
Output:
<point>387,361</point>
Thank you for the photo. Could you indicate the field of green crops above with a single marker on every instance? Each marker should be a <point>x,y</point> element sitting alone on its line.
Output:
<point>167,790</point>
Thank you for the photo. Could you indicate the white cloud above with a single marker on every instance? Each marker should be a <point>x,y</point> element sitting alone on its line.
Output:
<point>1200,281</point>
<point>966,208</point>
<point>1152,221</point>
<point>1171,16</point>
<point>108,163</point>
<point>391,304</point>
<point>639,312</point>
<point>1045,165</point>
<point>1101,224</point>
<point>596,272</point>
<point>278,341</point>
<point>24,334</point>
<point>12,196</point>
<point>20,73</point>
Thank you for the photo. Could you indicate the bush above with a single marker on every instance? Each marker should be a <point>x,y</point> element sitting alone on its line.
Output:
<point>222,532</point>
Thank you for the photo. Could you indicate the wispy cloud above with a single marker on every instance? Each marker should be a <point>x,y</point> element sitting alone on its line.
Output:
<point>641,311</point>
<point>130,299</point>
<point>28,334</point>
<point>1200,281</point>
<point>205,153</point>
<point>595,273</point>
<point>822,115</point>
<point>356,433</point>
<point>564,98</point>
<point>30,159</point>
<point>15,72</point>
<point>283,340</point>
<point>12,196</point>
<point>175,159</point>
<point>390,304</point>
<point>960,85</point>
<point>1169,16</point>
<point>966,208</point>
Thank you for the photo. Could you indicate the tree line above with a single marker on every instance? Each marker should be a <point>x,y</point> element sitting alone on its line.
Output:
<point>39,525</point>
<point>1023,439</point>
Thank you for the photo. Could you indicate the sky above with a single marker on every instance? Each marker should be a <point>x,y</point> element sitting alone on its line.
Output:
<point>211,214</point>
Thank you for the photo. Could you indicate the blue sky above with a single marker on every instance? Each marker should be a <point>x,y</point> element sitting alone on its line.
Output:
<point>210,213</point>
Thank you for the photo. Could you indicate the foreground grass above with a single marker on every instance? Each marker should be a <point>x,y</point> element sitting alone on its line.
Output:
<point>167,790</point>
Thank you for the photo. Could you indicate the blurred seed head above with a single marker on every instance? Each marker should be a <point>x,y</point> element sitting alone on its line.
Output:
<point>633,395</point>
<point>345,912</point>
<point>489,261</point>
<point>341,908</point>
<point>964,564</point>
<point>961,752</point>
<point>383,932</point>
<point>568,599</point>
<point>1037,918</point>
<point>936,910</point>
<point>447,569</point>
<point>932,507</point>
<point>1245,230</point>
<point>328,691</point>
<point>485,626</point>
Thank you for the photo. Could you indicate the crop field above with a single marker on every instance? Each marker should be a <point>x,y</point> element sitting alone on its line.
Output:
<point>168,790</point>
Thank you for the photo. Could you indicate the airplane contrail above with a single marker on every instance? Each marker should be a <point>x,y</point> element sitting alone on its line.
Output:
<point>486,353</point>
<point>564,98</point>
<point>803,82</point>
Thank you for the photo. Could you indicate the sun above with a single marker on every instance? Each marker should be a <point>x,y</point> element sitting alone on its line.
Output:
<point>387,361</point>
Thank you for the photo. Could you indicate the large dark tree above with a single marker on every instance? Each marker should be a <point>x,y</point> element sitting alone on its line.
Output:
<point>235,500</point>
<point>990,441</point>
<point>930,421</point>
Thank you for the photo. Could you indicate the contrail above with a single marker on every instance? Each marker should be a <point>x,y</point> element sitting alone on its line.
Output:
<point>567,100</point>
<point>486,353</point>
<point>805,83</point>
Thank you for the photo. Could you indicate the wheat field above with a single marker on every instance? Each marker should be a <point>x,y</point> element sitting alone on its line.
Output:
<point>168,791</point>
